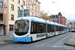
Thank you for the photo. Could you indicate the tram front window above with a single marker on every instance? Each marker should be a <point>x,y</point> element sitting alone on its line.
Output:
<point>21,27</point>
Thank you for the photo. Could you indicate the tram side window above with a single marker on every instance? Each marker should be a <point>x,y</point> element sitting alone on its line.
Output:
<point>48,28</point>
<point>59,28</point>
<point>56,28</point>
<point>41,27</point>
<point>52,28</point>
<point>38,28</point>
<point>62,28</point>
<point>44,27</point>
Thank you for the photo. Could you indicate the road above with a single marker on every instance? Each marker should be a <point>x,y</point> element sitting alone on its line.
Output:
<point>56,41</point>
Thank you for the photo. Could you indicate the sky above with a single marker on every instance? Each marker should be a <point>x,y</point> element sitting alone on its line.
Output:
<point>66,7</point>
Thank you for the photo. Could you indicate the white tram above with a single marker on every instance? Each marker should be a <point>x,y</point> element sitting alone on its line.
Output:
<point>28,29</point>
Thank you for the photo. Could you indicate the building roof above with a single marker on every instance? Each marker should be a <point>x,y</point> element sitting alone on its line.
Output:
<point>59,13</point>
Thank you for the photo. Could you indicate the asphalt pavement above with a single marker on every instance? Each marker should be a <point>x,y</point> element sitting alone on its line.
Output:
<point>56,41</point>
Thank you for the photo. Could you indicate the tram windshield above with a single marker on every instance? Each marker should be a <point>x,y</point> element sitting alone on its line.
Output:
<point>21,27</point>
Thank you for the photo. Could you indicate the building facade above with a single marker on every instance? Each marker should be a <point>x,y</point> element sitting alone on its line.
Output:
<point>9,12</point>
<point>34,7</point>
<point>59,19</point>
<point>15,5</point>
<point>3,17</point>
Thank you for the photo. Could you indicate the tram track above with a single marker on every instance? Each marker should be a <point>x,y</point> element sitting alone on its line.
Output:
<point>42,43</point>
<point>52,42</point>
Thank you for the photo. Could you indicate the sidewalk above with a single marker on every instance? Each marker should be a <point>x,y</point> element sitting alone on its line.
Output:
<point>5,40</point>
<point>70,41</point>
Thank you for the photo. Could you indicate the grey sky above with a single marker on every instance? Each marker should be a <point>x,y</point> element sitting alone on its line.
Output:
<point>66,7</point>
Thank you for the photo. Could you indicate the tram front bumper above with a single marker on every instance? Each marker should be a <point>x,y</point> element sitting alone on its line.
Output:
<point>22,39</point>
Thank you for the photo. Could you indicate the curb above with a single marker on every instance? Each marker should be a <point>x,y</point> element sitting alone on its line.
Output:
<point>70,42</point>
<point>4,42</point>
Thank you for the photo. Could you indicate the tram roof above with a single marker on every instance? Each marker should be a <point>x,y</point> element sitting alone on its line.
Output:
<point>38,19</point>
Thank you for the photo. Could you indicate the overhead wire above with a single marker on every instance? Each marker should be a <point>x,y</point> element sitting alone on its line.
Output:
<point>56,5</point>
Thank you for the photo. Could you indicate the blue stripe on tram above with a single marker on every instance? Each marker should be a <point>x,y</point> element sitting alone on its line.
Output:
<point>38,21</point>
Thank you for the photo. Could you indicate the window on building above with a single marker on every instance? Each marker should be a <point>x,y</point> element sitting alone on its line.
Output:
<point>18,8</point>
<point>1,4</point>
<point>24,2</point>
<point>10,27</point>
<point>38,10</point>
<point>12,7</point>
<point>56,19</point>
<point>28,5</point>
<point>18,1</point>
<point>38,4</point>
<point>12,17</point>
<point>35,2</point>
<point>51,19</point>
<point>55,16</point>
<point>51,16</point>
<point>32,7</point>
<point>32,0</point>
<point>59,16</point>
<point>59,21</point>
<point>1,17</point>
<point>35,8</point>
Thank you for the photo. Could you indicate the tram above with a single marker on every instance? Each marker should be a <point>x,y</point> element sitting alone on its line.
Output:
<point>72,28</point>
<point>28,29</point>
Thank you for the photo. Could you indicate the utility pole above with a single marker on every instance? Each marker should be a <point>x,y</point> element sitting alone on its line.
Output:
<point>22,9</point>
